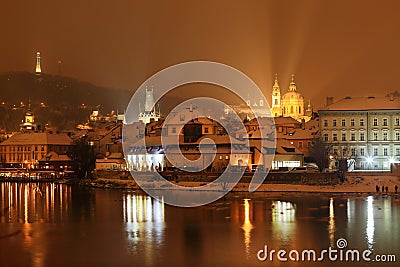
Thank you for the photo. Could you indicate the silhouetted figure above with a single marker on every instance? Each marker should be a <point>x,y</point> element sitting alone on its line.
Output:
<point>383,188</point>
<point>396,188</point>
<point>377,188</point>
<point>387,189</point>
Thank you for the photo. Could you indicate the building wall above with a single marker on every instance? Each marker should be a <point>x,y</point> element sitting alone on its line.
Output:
<point>371,138</point>
<point>14,154</point>
<point>28,154</point>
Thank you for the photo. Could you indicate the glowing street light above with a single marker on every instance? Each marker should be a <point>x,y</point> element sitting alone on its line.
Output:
<point>370,160</point>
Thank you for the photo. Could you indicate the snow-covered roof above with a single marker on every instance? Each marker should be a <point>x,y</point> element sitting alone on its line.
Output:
<point>364,103</point>
<point>283,146</point>
<point>285,121</point>
<point>310,131</point>
<point>37,139</point>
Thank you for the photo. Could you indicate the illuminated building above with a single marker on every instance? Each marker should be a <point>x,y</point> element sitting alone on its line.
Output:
<point>29,123</point>
<point>38,68</point>
<point>365,131</point>
<point>149,112</point>
<point>276,108</point>
<point>26,149</point>
<point>290,104</point>
<point>252,108</point>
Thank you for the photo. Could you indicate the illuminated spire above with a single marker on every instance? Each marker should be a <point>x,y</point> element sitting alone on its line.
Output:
<point>149,103</point>
<point>276,98</point>
<point>276,84</point>
<point>292,86</point>
<point>38,69</point>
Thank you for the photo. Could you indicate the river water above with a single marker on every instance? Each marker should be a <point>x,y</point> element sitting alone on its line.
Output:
<point>59,225</point>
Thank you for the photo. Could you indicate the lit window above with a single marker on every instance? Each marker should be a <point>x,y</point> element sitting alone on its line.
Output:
<point>385,136</point>
<point>385,151</point>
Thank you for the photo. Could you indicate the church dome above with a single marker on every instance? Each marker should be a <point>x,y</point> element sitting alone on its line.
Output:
<point>292,96</point>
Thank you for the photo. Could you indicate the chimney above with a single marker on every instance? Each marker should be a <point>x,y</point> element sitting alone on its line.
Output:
<point>329,100</point>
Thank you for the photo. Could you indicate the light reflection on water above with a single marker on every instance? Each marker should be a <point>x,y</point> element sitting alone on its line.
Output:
<point>283,220</point>
<point>34,202</point>
<point>370,229</point>
<point>125,227</point>
<point>143,217</point>
<point>247,226</point>
<point>331,226</point>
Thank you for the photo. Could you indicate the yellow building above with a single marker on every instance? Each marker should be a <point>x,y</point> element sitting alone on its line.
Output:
<point>290,104</point>
<point>24,150</point>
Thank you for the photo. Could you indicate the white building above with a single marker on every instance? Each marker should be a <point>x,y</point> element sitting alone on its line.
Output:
<point>363,130</point>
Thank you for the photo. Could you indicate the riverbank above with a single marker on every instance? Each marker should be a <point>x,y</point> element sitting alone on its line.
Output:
<point>353,184</point>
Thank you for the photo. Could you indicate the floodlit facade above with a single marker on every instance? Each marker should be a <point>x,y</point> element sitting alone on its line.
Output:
<point>25,150</point>
<point>290,104</point>
<point>363,130</point>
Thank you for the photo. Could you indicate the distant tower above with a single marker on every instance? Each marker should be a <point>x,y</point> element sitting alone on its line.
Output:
<point>38,69</point>
<point>276,99</point>
<point>149,108</point>
<point>149,104</point>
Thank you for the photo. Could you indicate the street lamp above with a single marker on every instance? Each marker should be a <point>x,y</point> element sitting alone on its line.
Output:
<point>370,160</point>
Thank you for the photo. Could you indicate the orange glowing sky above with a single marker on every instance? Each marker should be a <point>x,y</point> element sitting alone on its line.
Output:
<point>335,48</point>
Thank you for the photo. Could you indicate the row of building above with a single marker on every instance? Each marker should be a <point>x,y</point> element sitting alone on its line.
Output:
<point>362,131</point>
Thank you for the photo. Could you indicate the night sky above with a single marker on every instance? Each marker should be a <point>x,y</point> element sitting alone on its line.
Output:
<point>335,48</point>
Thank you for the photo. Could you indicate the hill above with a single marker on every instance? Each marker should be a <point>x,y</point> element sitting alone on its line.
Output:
<point>55,100</point>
